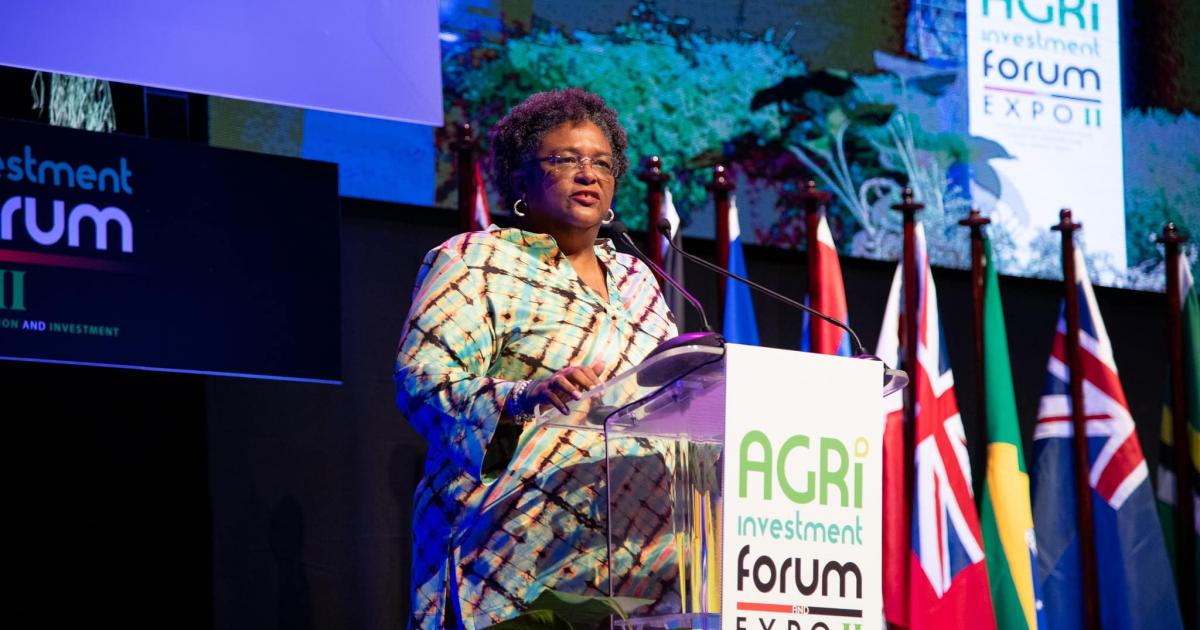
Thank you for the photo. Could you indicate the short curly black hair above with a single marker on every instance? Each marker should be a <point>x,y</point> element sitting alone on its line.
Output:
<point>516,138</point>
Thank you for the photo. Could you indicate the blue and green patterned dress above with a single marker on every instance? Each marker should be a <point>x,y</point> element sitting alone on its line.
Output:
<point>492,524</point>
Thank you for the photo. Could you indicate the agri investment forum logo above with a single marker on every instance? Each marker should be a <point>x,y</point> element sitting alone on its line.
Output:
<point>1043,62</point>
<point>35,226</point>
<point>815,484</point>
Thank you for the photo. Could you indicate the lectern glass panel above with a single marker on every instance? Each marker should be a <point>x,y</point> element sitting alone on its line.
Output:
<point>664,479</point>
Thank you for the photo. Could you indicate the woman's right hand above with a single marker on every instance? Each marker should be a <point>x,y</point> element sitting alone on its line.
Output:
<point>563,386</point>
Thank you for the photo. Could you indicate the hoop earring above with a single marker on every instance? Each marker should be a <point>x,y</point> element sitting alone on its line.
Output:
<point>611,217</point>
<point>517,204</point>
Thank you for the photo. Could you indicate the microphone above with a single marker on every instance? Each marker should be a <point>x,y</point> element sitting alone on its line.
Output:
<point>706,338</point>
<point>622,232</point>
<point>665,227</point>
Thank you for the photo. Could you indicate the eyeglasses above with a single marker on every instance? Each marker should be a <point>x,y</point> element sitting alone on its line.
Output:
<point>567,164</point>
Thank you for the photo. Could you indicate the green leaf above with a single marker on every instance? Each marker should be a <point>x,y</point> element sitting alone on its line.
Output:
<point>980,152</point>
<point>534,620</point>
<point>836,119</point>
<point>935,84</point>
<point>832,81</point>
<point>820,146</point>
<point>707,159</point>
<point>793,89</point>
<point>981,149</point>
<point>584,611</point>
<point>987,178</point>
<point>872,114</point>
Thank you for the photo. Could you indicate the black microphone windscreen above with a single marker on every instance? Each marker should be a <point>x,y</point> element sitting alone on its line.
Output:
<point>664,226</point>
<point>617,227</point>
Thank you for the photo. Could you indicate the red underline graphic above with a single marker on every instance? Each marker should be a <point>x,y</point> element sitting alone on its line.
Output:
<point>1084,99</point>
<point>798,609</point>
<point>56,260</point>
<point>776,608</point>
<point>1025,92</point>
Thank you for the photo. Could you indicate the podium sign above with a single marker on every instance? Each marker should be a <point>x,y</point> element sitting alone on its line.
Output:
<point>802,491</point>
<point>744,488</point>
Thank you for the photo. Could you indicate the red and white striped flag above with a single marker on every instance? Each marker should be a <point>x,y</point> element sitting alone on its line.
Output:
<point>828,297</point>
<point>480,218</point>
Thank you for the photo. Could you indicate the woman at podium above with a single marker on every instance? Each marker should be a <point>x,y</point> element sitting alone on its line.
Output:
<point>506,322</point>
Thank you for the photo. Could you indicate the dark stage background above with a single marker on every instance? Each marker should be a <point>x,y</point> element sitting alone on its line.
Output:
<point>148,500</point>
<point>144,500</point>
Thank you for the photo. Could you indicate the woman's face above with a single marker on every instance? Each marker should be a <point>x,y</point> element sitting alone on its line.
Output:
<point>569,195</point>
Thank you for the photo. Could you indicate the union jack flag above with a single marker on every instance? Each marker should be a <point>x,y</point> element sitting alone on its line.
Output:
<point>1119,466</point>
<point>937,550</point>
<point>1134,573</point>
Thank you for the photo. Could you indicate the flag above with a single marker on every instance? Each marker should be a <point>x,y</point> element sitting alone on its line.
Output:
<point>933,559</point>
<point>672,261</point>
<point>897,527</point>
<point>1007,519</point>
<point>480,218</point>
<point>1136,590</point>
<point>828,297</point>
<point>740,326</point>
<point>1190,323</point>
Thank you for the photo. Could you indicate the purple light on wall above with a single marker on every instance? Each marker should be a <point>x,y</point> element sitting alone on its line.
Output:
<point>376,58</point>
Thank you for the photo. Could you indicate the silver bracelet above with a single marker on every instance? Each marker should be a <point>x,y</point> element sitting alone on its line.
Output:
<point>517,404</point>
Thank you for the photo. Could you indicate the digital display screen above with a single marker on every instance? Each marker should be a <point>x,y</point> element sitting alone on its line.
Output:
<point>127,252</point>
<point>375,58</point>
<point>1017,108</point>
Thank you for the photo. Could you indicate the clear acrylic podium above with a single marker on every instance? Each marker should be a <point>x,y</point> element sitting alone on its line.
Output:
<point>665,425</point>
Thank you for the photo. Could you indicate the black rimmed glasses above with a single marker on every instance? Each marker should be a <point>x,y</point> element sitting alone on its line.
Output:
<point>563,165</point>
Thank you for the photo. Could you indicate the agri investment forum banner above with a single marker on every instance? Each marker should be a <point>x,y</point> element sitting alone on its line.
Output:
<point>1045,81</point>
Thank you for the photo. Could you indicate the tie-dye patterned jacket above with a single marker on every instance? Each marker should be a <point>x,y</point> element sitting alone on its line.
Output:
<point>493,525</point>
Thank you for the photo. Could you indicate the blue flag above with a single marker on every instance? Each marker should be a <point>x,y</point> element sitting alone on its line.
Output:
<point>740,326</point>
<point>1136,589</point>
